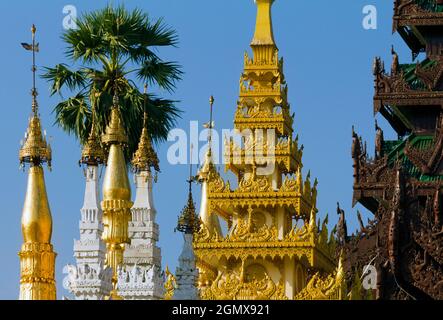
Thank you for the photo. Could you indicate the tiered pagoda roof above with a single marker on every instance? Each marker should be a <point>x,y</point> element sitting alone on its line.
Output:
<point>401,185</point>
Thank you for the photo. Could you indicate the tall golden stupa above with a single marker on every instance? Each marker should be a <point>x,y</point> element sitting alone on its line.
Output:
<point>37,257</point>
<point>116,204</point>
<point>273,247</point>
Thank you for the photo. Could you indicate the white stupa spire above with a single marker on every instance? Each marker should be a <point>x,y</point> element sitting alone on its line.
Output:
<point>141,277</point>
<point>89,279</point>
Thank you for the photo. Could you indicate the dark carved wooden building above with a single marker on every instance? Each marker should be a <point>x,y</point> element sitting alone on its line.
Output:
<point>402,184</point>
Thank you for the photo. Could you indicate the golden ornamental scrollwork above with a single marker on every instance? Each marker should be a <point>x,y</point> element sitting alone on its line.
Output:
<point>291,185</point>
<point>170,284</point>
<point>242,231</point>
<point>323,236</point>
<point>331,287</point>
<point>273,62</point>
<point>216,185</point>
<point>299,234</point>
<point>203,235</point>
<point>233,287</point>
<point>259,184</point>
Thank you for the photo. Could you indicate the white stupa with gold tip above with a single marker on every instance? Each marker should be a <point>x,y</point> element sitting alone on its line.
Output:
<point>140,276</point>
<point>90,279</point>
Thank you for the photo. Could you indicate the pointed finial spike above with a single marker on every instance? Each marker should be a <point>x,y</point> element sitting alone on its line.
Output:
<point>115,99</point>
<point>145,113</point>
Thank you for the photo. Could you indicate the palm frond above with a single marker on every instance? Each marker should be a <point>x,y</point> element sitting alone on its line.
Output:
<point>164,74</point>
<point>159,34</point>
<point>86,42</point>
<point>61,75</point>
<point>73,116</point>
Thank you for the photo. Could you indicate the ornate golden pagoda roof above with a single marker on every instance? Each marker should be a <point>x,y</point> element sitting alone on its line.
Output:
<point>145,157</point>
<point>35,149</point>
<point>271,212</point>
<point>93,153</point>
<point>188,220</point>
<point>115,131</point>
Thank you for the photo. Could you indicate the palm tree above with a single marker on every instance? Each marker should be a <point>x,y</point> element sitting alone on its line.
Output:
<point>113,49</point>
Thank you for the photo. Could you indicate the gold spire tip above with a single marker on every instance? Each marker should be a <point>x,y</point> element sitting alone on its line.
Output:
<point>263,28</point>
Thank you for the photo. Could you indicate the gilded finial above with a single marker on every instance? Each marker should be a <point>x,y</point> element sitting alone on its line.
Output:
<point>35,150</point>
<point>145,157</point>
<point>34,48</point>
<point>92,153</point>
<point>263,28</point>
<point>210,125</point>
<point>187,222</point>
<point>115,132</point>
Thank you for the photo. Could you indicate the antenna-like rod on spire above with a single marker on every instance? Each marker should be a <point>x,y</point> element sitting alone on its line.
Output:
<point>210,125</point>
<point>34,47</point>
<point>34,68</point>
<point>115,98</point>
<point>145,113</point>
<point>190,168</point>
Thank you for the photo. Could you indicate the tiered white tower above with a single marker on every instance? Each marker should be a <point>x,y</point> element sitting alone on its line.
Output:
<point>90,279</point>
<point>140,277</point>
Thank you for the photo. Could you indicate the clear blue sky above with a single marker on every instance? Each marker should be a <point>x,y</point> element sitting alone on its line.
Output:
<point>328,57</point>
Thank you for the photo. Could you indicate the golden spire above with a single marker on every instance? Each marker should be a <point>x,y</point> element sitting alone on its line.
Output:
<point>145,157</point>
<point>263,44</point>
<point>37,258</point>
<point>116,202</point>
<point>264,34</point>
<point>207,164</point>
<point>207,170</point>
<point>259,211</point>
